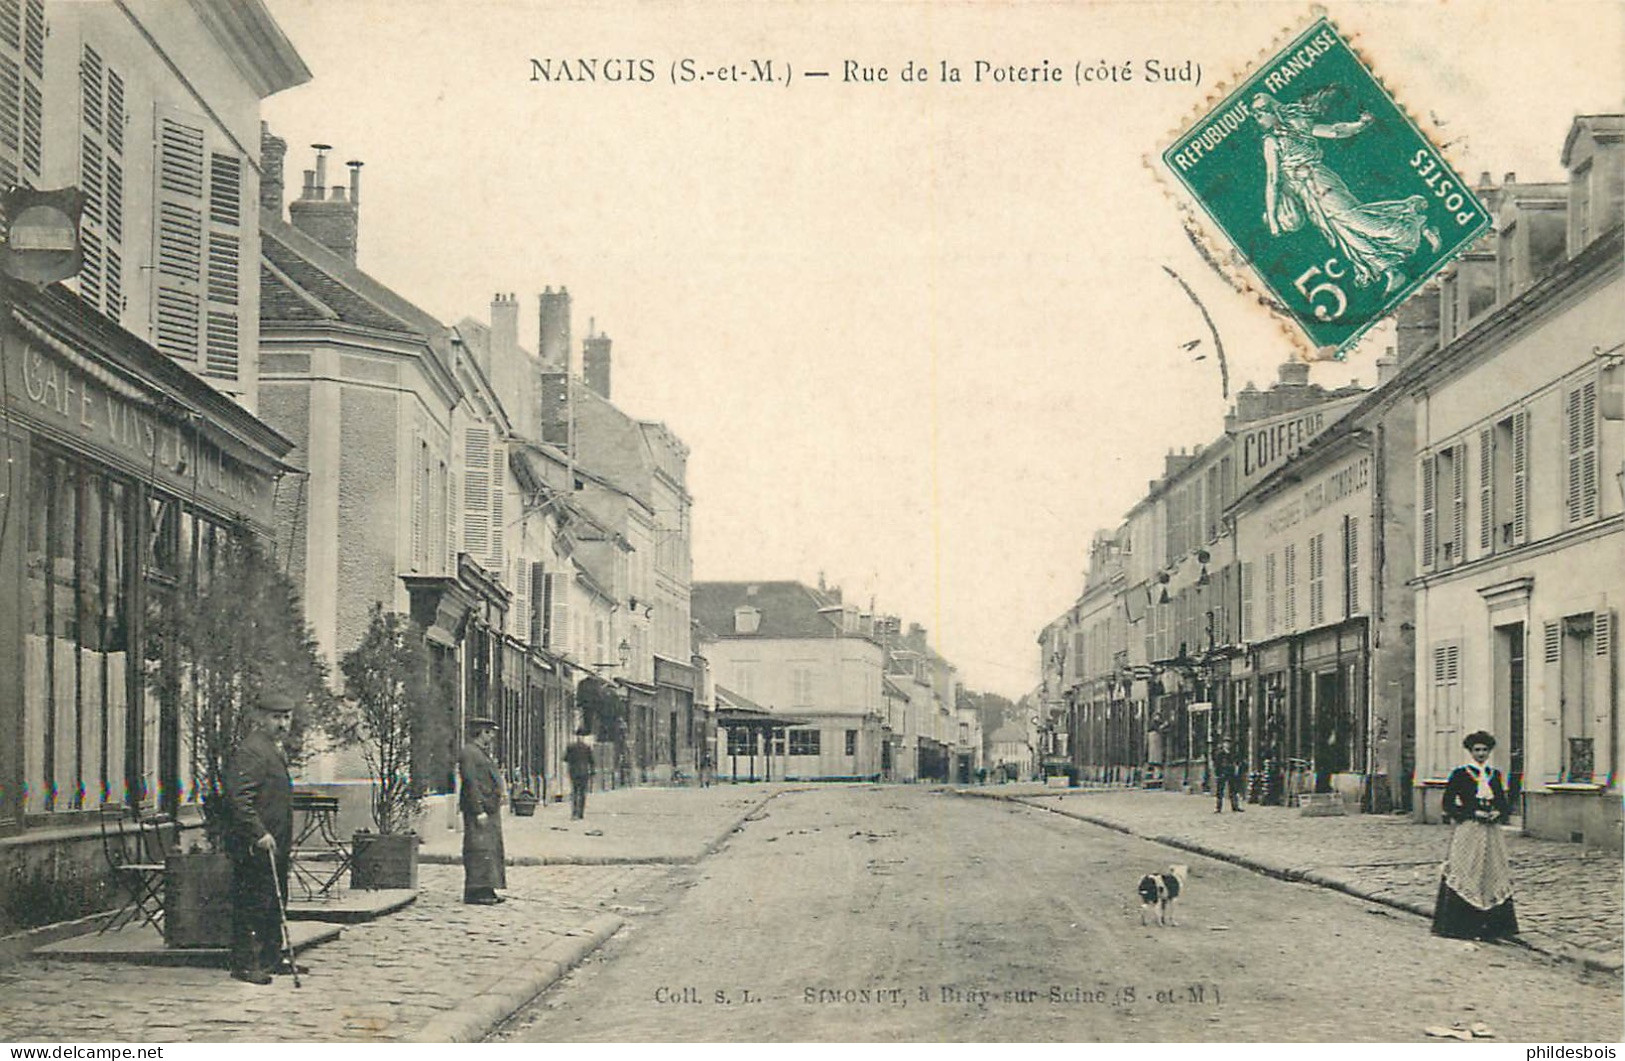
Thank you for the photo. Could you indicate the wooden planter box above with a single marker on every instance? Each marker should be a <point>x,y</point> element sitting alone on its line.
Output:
<point>197,900</point>
<point>384,861</point>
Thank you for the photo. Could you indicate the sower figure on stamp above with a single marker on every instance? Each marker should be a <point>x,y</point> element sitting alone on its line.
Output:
<point>578,760</point>
<point>484,860</point>
<point>259,802</point>
<point>1226,775</point>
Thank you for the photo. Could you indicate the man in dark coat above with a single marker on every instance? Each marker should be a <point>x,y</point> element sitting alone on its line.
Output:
<point>484,861</point>
<point>1226,775</point>
<point>578,761</point>
<point>259,804</point>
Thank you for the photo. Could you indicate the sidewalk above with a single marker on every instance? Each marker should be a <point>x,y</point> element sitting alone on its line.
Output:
<point>1569,898</point>
<point>437,971</point>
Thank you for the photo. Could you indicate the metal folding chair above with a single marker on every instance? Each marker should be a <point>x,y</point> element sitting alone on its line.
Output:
<point>136,869</point>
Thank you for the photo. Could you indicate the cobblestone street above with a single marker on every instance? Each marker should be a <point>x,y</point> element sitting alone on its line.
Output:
<point>1569,897</point>
<point>383,981</point>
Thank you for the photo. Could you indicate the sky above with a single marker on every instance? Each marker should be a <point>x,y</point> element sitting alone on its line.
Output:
<point>919,336</point>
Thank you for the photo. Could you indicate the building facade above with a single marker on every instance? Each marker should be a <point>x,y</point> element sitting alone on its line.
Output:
<point>129,445</point>
<point>804,654</point>
<point>1520,521</point>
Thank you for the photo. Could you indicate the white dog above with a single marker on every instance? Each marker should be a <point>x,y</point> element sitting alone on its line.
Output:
<point>1158,892</point>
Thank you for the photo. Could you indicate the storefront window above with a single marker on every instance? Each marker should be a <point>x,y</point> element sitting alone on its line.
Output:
<point>76,644</point>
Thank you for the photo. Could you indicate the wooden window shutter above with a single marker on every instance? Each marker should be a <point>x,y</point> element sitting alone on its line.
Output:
<point>1430,523</point>
<point>180,312</point>
<point>1289,572</point>
<point>1486,478</point>
<point>1458,504</point>
<point>11,94</point>
<point>1351,566</point>
<point>1588,450</point>
<point>1520,478</point>
<point>1602,684</point>
<point>11,23</point>
<point>221,345</point>
<point>223,273</point>
<point>420,490</point>
<point>115,112</point>
<point>1247,620</point>
<point>538,606</point>
<point>477,491</point>
<point>519,618</point>
<point>559,609</point>
<point>1571,422</point>
<point>499,480</point>
<point>1552,656</point>
<point>30,42</point>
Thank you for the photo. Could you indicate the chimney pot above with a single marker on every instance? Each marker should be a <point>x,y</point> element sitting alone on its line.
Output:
<point>1511,178</point>
<point>355,180</point>
<point>1484,180</point>
<point>309,190</point>
<point>321,168</point>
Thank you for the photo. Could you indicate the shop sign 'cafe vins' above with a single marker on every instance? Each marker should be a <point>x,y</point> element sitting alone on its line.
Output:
<point>85,402</point>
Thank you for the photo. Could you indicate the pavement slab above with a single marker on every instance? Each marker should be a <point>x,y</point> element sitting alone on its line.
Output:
<point>1569,897</point>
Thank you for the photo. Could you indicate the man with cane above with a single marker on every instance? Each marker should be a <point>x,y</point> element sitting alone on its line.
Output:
<point>259,798</point>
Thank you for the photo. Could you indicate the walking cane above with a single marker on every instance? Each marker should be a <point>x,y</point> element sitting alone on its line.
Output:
<point>282,918</point>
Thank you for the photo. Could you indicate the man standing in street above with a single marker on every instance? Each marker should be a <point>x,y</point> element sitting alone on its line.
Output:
<point>259,806</point>
<point>484,860</point>
<point>578,761</point>
<point>1226,774</point>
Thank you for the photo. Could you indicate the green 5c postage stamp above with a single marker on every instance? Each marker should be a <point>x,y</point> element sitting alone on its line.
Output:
<point>1327,188</point>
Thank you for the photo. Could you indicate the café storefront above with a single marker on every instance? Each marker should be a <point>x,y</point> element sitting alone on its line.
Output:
<point>123,474</point>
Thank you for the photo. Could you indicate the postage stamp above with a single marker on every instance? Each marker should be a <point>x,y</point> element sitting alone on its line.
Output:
<point>1327,188</point>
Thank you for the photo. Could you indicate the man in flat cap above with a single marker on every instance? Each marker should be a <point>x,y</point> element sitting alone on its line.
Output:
<point>484,869</point>
<point>259,802</point>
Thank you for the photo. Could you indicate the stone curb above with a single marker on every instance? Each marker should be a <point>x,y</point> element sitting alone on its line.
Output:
<point>475,1018</point>
<point>707,850</point>
<point>1538,942</point>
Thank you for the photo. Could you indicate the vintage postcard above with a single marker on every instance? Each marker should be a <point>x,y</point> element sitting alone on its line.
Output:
<point>891,521</point>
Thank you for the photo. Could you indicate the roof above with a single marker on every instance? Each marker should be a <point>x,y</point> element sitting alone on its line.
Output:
<point>1600,126</point>
<point>1008,734</point>
<point>727,698</point>
<point>302,281</point>
<point>788,609</point>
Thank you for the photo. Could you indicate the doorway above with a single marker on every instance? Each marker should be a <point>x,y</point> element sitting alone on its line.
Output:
<point>1509,706</point>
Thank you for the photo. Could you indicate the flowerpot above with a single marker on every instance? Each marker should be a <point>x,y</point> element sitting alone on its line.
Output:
<point>197,900</point>
<point>384,860</point>
<point>523,806</point>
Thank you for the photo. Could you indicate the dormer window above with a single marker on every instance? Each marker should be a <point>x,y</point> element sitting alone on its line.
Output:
<point>747,620</point>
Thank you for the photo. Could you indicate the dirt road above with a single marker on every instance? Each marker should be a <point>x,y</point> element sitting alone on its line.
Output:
<point>898,913</point>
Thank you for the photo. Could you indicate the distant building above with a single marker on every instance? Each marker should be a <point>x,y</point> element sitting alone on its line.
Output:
<point>803,653</point>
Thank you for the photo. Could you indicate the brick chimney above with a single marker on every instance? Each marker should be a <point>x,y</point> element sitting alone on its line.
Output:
<point>1249,403</point>
<point>330,218</point>
<point>504,326</point>
<point>553,347</point>
<point>595,361</point>
<point>273,149</point>
<point>1417,323</point>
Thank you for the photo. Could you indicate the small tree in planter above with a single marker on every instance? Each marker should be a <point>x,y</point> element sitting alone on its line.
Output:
<point>239,631</point>
<point>387,710</point>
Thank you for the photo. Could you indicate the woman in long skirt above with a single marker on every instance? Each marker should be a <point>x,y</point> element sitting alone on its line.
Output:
<point>1475,895</point>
